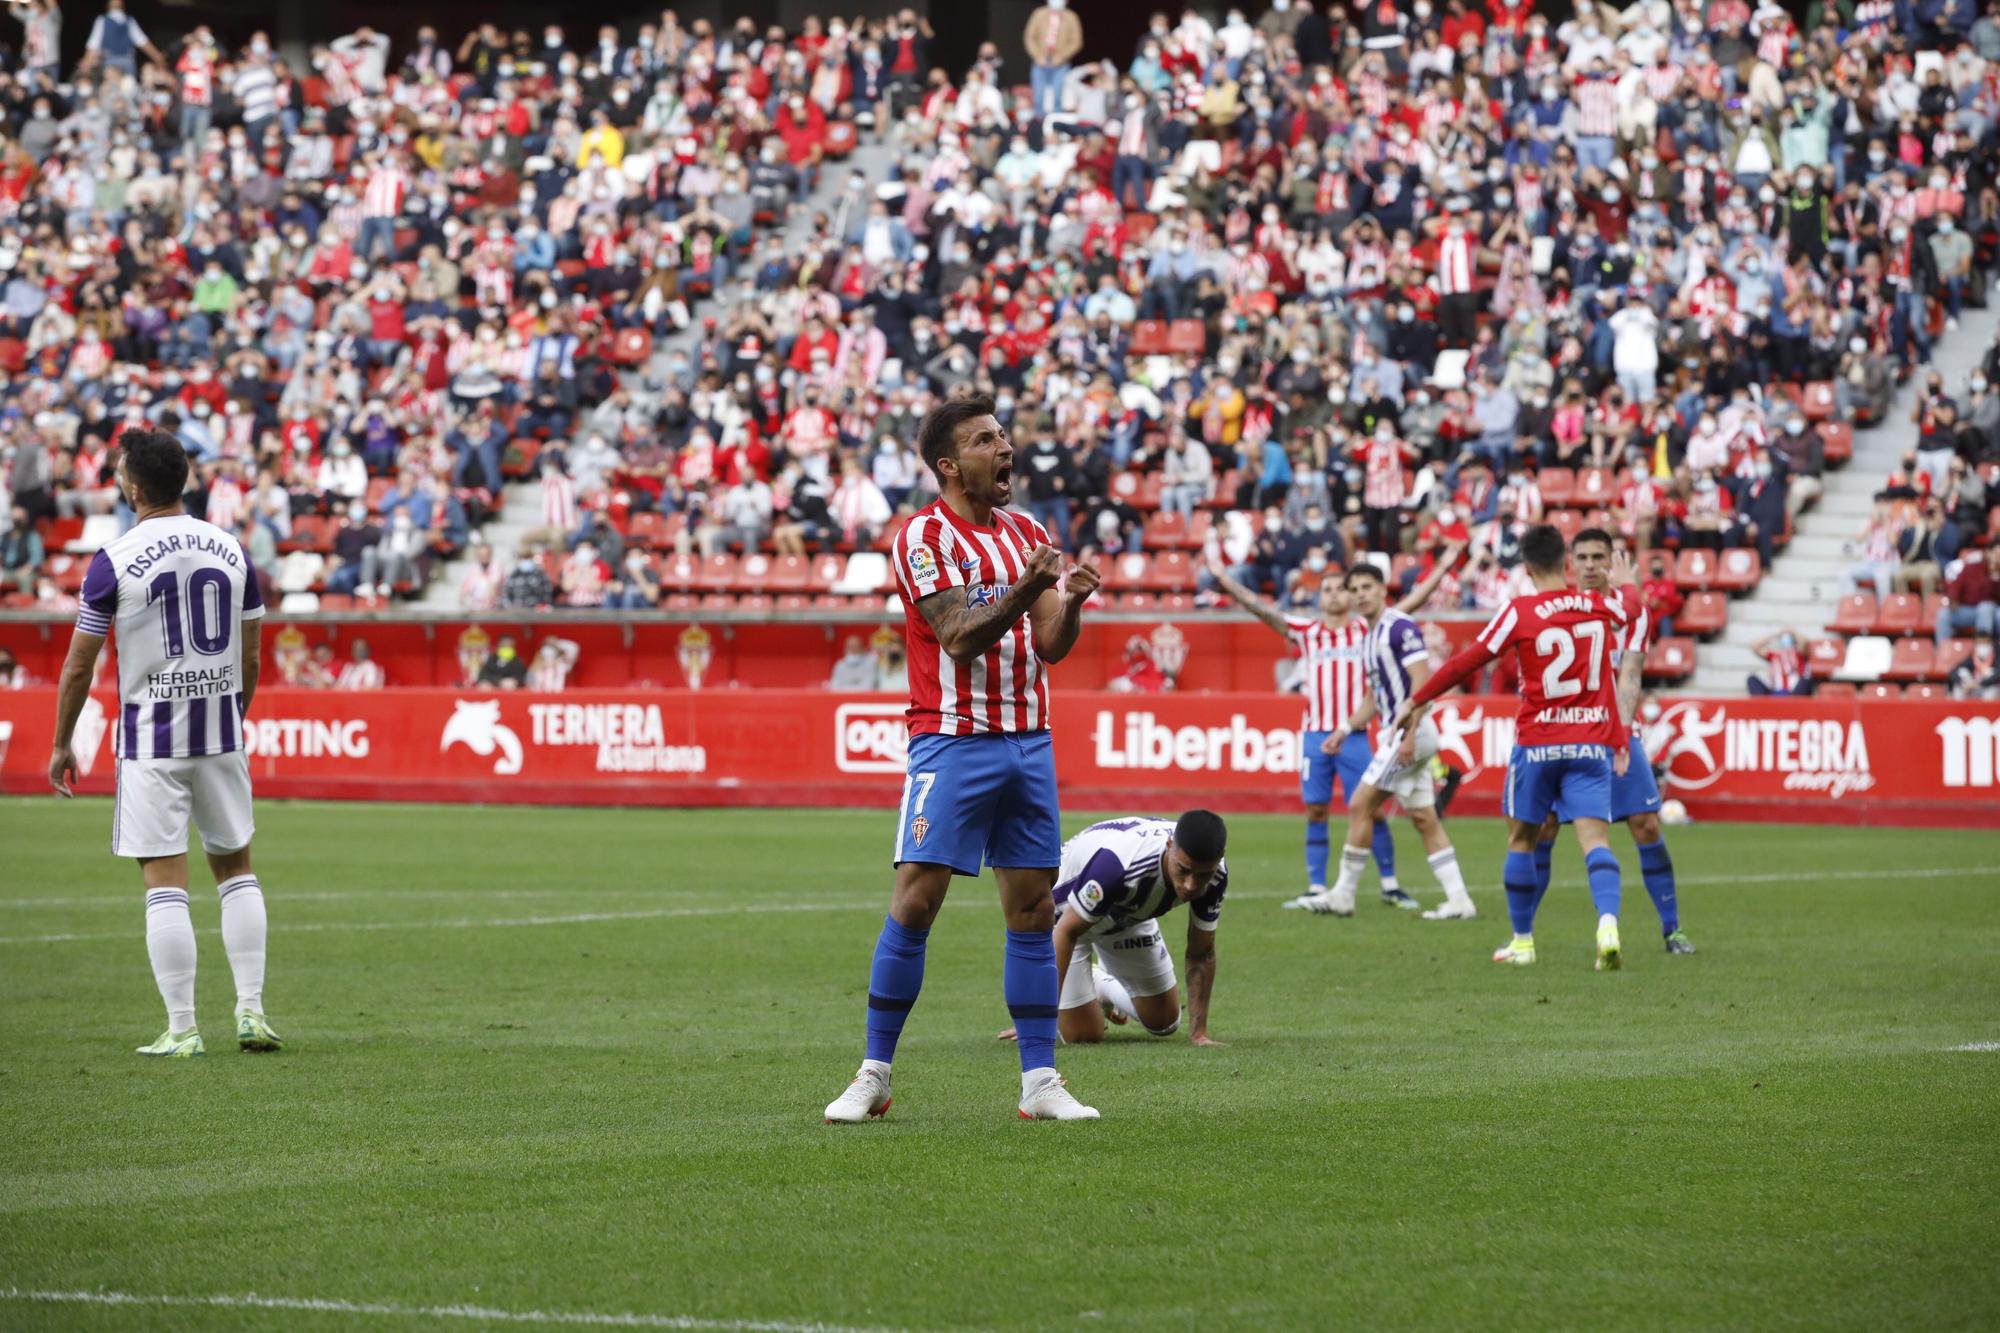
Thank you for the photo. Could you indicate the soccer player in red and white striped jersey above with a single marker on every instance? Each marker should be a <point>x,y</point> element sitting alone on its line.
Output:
<point>989,602</point>
<point>1334,681</point>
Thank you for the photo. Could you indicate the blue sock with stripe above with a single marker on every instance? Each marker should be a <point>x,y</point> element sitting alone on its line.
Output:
<point>1029,981</point>
<point>1316,852</point>
<point>1656,869</point>
<point>1518,875</point>
<point>893,983</point>
<point>1603,867</point>
<point>1384,846</point>
<point>1545,854</point>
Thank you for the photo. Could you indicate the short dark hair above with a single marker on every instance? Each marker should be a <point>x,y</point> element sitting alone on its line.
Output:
<point>1598,535</point>
<point>1363,570</point>
<point>1542,548</point>
<point>937,433</point>
<point>1201,835</point>
<point>157,463</point>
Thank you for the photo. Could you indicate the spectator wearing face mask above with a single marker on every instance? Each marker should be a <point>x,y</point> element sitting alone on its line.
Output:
<point>1977,677</point>
<point>1972,598</point>
<point>1784,666</point>
<point>20,553</point>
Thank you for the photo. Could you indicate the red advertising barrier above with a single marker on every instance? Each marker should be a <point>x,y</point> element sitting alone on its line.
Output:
<point>1849,761</point>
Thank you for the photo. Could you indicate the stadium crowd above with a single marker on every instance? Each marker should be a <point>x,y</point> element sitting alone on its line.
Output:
<point>1293,286</point>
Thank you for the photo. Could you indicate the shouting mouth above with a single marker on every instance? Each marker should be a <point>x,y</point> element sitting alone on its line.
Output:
<point>1003,476</point>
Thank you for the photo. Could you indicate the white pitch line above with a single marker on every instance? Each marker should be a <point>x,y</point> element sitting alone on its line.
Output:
<point>482,1314</point>
<point>875,904</point>
<point>344,895</point>
<point>1976,1046</point>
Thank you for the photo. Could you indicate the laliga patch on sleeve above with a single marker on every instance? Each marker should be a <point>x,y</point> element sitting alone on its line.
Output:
<point>923,565</point>
<point>1090,897</point>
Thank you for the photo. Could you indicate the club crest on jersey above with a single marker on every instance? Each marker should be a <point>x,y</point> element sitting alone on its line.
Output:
<point>923,565</point>
<point>918,828</point>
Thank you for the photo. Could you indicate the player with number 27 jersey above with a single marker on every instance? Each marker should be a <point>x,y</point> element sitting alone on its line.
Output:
<point>1568,644</point>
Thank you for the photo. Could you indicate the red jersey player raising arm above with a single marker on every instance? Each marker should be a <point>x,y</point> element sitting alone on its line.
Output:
<point>987,603</point>
<point>1567,730</point>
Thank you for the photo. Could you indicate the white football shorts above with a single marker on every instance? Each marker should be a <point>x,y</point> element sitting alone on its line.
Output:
<point>1136,955</point>
<point>156,798</point>
<point>1409,783</point>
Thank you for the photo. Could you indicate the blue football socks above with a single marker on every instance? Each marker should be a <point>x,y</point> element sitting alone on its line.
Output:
<point>1518,875</point>
<point>893,983</point>
<point>1545,853</point>
<point>1316,852</point>
<point>1656,869</point>
<point>1384,846</point>
<point>1029,982</point>
<point>1603,867</point>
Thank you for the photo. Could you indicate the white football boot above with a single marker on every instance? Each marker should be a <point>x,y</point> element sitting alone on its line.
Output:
<point>1049,1098</point>
<point>866,1098</point>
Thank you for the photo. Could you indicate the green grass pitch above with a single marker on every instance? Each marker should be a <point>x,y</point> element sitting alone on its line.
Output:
<point>572,1062</point>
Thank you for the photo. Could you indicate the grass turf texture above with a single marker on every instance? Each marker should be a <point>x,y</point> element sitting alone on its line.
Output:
<point>485,1102</point>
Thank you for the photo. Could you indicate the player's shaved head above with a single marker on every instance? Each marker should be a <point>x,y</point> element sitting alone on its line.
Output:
<point>1201,835</point>
<point>1542,549</point>
<point>156,466</point>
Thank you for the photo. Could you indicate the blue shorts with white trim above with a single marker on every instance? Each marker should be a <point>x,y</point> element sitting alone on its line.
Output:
<point>988,799</point>
<point>1318,770</point>
<point>1634,794</point>
<point>1572,779</point>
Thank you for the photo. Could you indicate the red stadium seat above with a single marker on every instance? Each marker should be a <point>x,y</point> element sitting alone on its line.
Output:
<point>1557,485</point>
<point>1837,440</point>
<point>1399,565</point>
<point>1595,486</point>
<point>679,572</point>
<point>753,573</point>
<point>1926,691</point>
<point>1705,614</point>
<point>1915,659</point>
<point>1127,573</point>
<point>1835,689</point>
<point>1124,487</point>
<point>13,356</point>
<point>631,347</point>
<point>1134,601</point>
<point>754,601</point>
<point>1881,690</point>
<point>794,601</point>
<point>1138,227</point>
<point>1150,486</point>
<point>1149,338</point>
<point>1187,337</point>
<point>1172,572</point>
<point>1854,615</point>
<point>1819,403</point>
<point>336,601</point>
<point>1566,521</point>
<point>310,532</point>
<point>1933,608</point>
<point>790,573</point>
<point>1165,530</point>
<point>1899,615</point>
<point>518,463</point>
<point>680,601</point>
<point>1786,392</point>
<point>1739,570</point>
<point>1695,569</point>
<point>831,601</point>
<point>1225,492</point>
<point>1824,656</point>
<point>647,529</point>
<point>1671,659</point>
<point>1199,529</point>
<point>824,571</point>
<point>1949,654</point>
<point>378,488</point>
<point>716,572</point>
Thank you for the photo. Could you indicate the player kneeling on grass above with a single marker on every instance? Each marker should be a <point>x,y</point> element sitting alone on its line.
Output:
<point>1118,878</point>
<point>184,601</point>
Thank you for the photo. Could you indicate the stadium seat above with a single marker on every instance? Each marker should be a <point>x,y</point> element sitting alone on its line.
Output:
<point>1672,658</point>
<point>1949,654</point>
<point>823,571</point>
<point>1164,531</point>
<point>1566,521</point>
<point>1150,486</point>
<point>832,601</point>
<point>1933,608</point>
<point>1818,403</point>
<point>1595,486</point>
<point>1835,689</point>
<point>299,604</point>
<point>1187,337</point>
<point>1198,530</point>
<point>1172,572</point>
<point>679,572</point>
<point>1127,573</point>
<point>1124,488</point>
<point>378,490</point>
<point>717,601</point>
<point>99,531</point>
<point>867,573</point>
<point>1225,492</point>
<point>631,347</point>
<point>1557,485</point>
<point>755,601</point>
<point>716,573</point>
<point>794,601</point>
<point>1738,570</point>
<point>1704,614</point>
<point>1837,442</point>
<point>1824,656</point>
<point>1134,601</point>
<point>753,573</point>
<point>1868,656</point>
<point>1912,658</point>
<point>58,533</point>
<point>1881,690</point>
<point>1175,603</point>
<point>680,601</point>
<point>1149,338</point>
<point>1783,393</point>
<point>789,573</point>
<point>1926,691</point>
<point>1899,615</point>
<point>1854,615</point>
<point>1695,569</point>
<point>310,532</point>
<point>518,463</point>
<point>1399,566</point>
<point>13,356</point>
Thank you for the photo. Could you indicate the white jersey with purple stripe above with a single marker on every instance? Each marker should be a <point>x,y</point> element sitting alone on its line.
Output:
<point>1111,875</point>
<point>1395,643</point>
<point>175,593</point>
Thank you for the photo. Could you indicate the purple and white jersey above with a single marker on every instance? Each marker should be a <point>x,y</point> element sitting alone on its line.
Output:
<point>1394,643</point>
<point>1111,873</point>
<point>176,592</point>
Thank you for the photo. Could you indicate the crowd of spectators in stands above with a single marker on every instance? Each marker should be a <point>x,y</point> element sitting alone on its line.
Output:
<point>1345,279</point>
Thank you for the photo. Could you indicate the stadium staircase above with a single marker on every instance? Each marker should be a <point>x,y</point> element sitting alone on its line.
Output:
<point>1803,589</point>
<point>521,505</point>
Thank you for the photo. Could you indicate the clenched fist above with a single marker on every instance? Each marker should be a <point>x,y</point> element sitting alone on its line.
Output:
<point>1044,568</point>
<point>1082,579</point>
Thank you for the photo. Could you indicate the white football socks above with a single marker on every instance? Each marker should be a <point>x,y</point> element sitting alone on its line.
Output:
<point>1111,990</point>
<point>1444,865</point>
<point>243,928</point>
<point>1353,862</point>
<point>170,944</point>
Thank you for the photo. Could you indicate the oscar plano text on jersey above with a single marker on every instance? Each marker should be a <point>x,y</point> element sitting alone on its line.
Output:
<point>1881,761</point>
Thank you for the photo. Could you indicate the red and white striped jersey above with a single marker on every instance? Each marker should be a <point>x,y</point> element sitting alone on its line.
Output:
<point>383,197</point>
<point>1007,689</point>
<point>1385,486</point>
<point>1783,668</point>
<point>1597,108</point>
<point>1456,262</point>
<point>1336,676</point>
